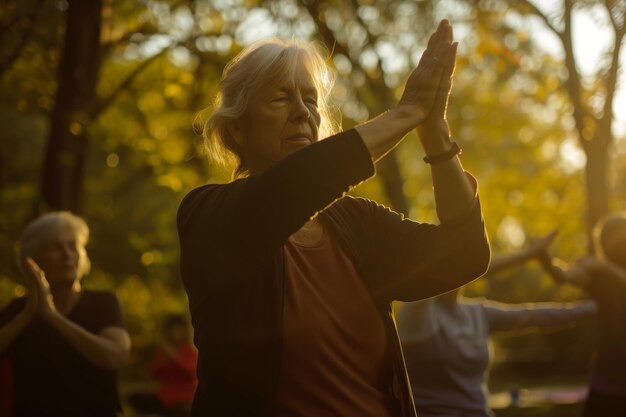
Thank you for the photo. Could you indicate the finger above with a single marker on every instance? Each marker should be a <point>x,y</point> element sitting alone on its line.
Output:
<point>433,41</point>
<point>37,274</point>
<point>443,24</point>
<point>30,267</point>
<point>33,267</point>
<point>428,51</point>
<point>441,99</point>
<point>450,61</point>
<point>437,41</point>
<point>445,83</point>
<point>442,57</point>
<point>447,30</point>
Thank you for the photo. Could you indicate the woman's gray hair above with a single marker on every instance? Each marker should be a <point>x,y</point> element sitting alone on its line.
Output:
<point>44,228</point>
<point>258,64</point>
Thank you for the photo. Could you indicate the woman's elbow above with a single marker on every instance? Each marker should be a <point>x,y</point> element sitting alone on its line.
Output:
<point>116,353</point>
<point>475,261</point>
<point>117,359</point>
<point>483,258</point>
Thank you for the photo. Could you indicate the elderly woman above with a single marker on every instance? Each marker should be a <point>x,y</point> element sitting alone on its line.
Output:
<point>64,343</point>
<point>289,280</point>
<point>604,278</point>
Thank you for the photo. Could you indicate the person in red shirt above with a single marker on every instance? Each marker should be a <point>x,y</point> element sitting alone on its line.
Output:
<point>174,368</point>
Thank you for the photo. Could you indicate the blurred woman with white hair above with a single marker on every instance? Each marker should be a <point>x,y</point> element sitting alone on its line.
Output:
<point>64,343</point>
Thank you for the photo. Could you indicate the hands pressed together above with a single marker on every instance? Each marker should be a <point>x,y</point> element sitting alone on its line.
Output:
<point>39,301</point>
<point>423,103</point>
<point>428,87</point>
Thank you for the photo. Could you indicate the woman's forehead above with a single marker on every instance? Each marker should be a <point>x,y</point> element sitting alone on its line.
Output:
<point>62,232</point>
<point>299,77</point>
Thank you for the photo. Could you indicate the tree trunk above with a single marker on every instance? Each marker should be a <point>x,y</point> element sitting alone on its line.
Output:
<point>388,168</point>
<point>62,179</point>
<point>596,176</point>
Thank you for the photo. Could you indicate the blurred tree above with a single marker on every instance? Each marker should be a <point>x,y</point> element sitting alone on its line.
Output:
<point>591,98</point>
<point>361,44</point>
<point>62,175</point>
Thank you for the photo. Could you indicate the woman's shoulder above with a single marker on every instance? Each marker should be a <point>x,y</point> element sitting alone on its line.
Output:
<point>350,204</point>
<point>208,195</point>
<point>11,309</point>
<point>201,191</point>
<point>99,297</point>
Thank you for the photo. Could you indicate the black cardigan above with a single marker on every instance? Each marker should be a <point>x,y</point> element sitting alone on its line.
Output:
<point>231,238</point>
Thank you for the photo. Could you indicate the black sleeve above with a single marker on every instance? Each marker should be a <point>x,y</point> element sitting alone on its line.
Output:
<point>11,310</point>
<point>409,260</point>
<point>228,231</point>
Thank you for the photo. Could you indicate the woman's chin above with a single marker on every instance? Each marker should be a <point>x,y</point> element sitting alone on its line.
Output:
<point>64,280</point>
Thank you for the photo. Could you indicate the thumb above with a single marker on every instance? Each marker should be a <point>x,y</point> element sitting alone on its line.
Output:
<point>36,274</point>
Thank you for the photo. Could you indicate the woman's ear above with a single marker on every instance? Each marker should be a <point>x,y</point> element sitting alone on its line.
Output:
<point>235,131</point>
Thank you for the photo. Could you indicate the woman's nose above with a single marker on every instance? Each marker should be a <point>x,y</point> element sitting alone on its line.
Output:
<point>68,251</point>
<point>300,112</point>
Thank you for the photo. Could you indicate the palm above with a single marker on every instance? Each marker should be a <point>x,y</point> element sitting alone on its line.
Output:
<point>39,289</point>
<point>423,86</point>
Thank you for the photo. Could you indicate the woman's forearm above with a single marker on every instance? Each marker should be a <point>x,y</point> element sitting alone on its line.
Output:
<point>546,315</point>
<point>501,262</point>
<point>556,268</point>
<point>454,195</point>
<point>10,331</point>
<point>103,352</point>
<point>382,134</point>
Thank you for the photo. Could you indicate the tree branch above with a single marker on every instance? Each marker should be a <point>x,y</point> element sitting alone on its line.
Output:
<point>535,11</point>
<point>147,28</point>
<point>102,104</point>
<point>388,167</point>
<point>611,83</point>
<point>27,33</point>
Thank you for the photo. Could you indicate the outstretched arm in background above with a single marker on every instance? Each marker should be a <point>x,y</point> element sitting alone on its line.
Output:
<point>543,316</point>
<point>536,249</point>
<point>561,272</point>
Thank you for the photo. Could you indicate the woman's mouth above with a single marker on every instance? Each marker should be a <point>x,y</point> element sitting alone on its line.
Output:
<point>298,140</point>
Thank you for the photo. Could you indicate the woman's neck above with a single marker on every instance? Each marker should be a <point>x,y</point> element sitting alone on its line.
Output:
<point>65,297</point>
<point>309,234</point>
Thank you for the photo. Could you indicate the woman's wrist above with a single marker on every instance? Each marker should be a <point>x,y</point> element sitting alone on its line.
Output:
<point>435,139</point>
<point>25,317</point>
<point>407,117</point>
<point>384,132</point>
